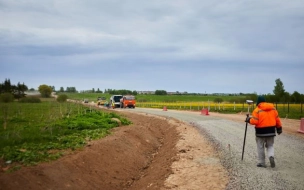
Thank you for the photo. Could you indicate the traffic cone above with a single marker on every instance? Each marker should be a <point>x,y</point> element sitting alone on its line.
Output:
<point>207,112</point>
<point>165,108</point>
<point>301,130</point>
<point>204,112</point>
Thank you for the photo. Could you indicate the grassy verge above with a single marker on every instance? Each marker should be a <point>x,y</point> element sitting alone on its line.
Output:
<point>31,133</point>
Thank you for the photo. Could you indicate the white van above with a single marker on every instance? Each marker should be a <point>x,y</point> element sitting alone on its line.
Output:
<point>115,101</point>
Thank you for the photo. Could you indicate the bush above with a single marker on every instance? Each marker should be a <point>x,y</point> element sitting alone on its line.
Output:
<point>216,100</point>
<point>6,97</point>
<point>62,98</point>
<point>30,100</point>
<point>45,90</point>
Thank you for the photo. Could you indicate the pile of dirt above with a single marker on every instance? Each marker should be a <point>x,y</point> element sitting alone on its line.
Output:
<point>138,156</point>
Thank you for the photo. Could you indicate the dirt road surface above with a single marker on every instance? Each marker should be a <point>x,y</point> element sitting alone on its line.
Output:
<point>160,150</point>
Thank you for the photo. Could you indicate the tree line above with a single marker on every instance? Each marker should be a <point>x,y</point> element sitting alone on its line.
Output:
<point>122,91</point>
<point>280,94</point>
<point>18,91</point>
<point>68,89</point>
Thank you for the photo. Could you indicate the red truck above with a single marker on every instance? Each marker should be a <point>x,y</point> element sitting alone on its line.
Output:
<point>127,101</point>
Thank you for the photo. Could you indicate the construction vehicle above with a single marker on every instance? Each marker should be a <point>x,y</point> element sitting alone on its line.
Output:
<point>128,101</point>
<point>101,101</point>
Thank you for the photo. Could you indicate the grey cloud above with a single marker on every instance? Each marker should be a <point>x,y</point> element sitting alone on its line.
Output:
<point>216,39</point>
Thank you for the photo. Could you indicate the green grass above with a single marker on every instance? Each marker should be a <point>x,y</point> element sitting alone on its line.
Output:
<point>35,132</point>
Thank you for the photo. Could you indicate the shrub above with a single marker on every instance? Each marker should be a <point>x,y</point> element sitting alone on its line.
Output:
<point>45,90</point>
<point>216,100</point>
<point>30,100</point>
<point>6,97</point>
<point>62,98</point>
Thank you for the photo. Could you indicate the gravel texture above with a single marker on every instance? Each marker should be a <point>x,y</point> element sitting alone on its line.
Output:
<point>227,137</point>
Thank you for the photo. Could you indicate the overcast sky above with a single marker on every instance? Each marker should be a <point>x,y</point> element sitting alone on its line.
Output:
<point>228,46</point>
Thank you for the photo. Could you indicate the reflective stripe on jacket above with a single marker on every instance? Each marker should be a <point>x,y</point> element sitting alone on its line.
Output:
<point>266,119</point>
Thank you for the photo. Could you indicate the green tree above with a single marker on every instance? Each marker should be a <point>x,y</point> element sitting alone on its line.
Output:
<point>16,91</point>
<point>279,90</point>
<point>71,89</point>
<point>6,87</point>
<point>286,97</point>
<point>61,89</point>
<point>160,92</point>
<point>45,90</point>
<point>19,90</point>
<point>270,98</point>
<point>134,92</point>
<point>295,97</point>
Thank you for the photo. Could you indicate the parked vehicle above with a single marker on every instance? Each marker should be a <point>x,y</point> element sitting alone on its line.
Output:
<point>101,101</point>
<point>115,101</point>
<point>127,101</point>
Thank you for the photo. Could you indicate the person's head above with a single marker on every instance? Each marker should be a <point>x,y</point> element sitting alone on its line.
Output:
<point>260,99</point>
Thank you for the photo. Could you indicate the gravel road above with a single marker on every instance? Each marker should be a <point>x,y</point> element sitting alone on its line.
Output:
<point>227,136</point>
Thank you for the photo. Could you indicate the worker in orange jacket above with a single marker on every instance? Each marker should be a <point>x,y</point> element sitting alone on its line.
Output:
<point>267,122</point>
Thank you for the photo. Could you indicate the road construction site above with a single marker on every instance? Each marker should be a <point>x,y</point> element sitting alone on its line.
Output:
<point>226,134</point>
<point>169,149</point>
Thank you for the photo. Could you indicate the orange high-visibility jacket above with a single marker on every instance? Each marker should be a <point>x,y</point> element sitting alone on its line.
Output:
<point>266,120</point>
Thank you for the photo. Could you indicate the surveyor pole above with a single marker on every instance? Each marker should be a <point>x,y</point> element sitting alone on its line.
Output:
<point>245,137</point>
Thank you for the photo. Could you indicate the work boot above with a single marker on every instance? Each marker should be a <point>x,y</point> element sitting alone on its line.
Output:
<point>272,163</point>
<point>261,165</point>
